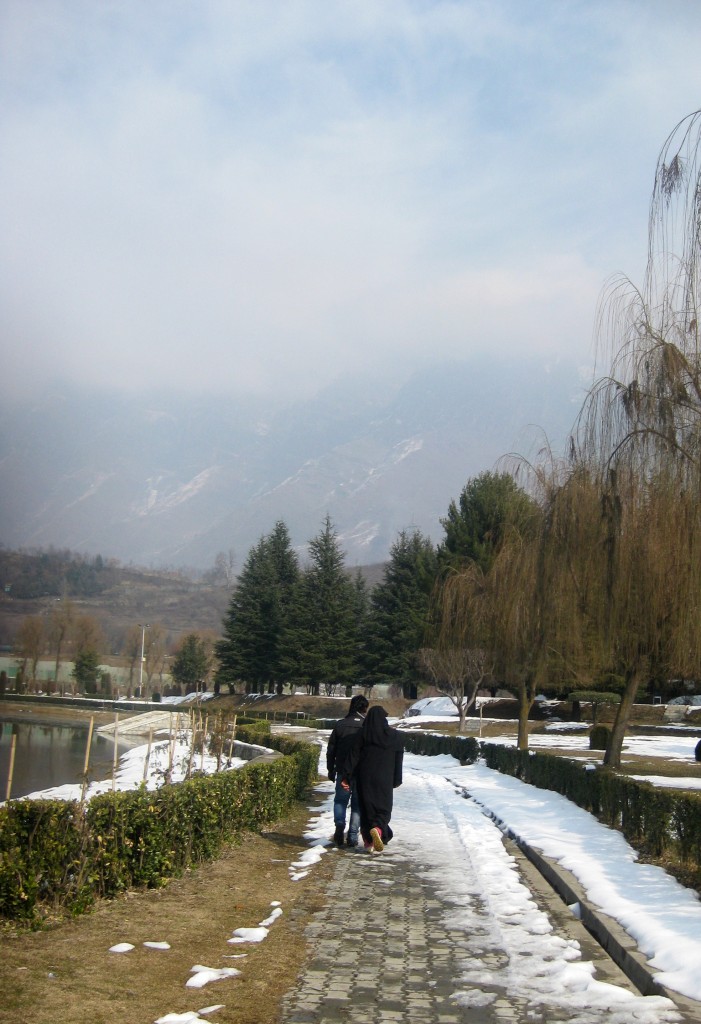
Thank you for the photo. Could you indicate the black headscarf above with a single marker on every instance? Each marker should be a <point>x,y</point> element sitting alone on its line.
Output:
<point>376,729</point>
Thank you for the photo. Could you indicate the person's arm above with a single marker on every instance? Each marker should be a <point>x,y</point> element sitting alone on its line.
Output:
<point>331,754</point>
<point>398,763</point>
<point>347,769</point>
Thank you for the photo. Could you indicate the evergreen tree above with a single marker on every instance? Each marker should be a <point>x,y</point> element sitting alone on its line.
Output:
<point>361,612</point>
<point>250,649</point>
<point>86,669</point>
<point>89,641</point>
<point>474,526</point>
<point>399,608</point>
<point>191,664</point>
<point>320,641</point>
<point>240,651</point>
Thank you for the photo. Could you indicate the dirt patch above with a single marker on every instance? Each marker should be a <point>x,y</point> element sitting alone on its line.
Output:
<point>67,973</point>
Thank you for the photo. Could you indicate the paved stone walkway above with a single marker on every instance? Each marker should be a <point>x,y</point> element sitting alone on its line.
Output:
<point>382,951</point>
<point>376,945</point>
<point>447,926</point>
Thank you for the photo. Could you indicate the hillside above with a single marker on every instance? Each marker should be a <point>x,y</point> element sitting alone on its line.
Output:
<point>172,480</point>
<point>118,597</point>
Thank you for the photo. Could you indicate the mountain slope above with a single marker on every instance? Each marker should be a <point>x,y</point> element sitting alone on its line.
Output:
<point>173,480</point>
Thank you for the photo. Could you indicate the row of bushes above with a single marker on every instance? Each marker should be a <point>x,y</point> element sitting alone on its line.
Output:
<point>465,749</point>
<point>662,824</point>
<point>64,855</point>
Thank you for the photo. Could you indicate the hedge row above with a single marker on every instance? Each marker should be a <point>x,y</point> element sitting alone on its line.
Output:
<point>463,748</point>
<point>61,855</point>
<point>663,824</point>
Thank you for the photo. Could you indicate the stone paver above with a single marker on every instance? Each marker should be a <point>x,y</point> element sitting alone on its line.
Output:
<point>381,952</point>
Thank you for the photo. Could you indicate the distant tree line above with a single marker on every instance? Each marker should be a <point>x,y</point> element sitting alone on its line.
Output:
<point>54,573</point>
<point>68,635</point>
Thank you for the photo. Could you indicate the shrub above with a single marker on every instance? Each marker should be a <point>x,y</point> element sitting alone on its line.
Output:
<point>253,731</point>
<point>599,737</point>
<point>54,853</point>
<point>464,748</point>
<point>40,849</point>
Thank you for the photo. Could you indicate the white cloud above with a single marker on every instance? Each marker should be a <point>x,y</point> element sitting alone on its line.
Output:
<point>258,197</point>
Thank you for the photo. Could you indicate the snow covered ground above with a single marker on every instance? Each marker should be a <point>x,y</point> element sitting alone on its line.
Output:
<point>661,915</point>
<point>138,766</point>
<point>448,822</point>
<point>575,737</point>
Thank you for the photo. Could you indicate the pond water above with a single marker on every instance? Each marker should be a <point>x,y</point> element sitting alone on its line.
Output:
<point>53,755</point>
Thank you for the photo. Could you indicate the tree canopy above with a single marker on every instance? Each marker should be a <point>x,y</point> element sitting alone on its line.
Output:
<point>320,641</point>
<point>191,663</point>
<point>399,608</point>
<point>475,524</point>
<point>251,648</point>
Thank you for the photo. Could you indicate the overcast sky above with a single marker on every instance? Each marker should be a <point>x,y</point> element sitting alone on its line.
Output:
<point>259,196</point>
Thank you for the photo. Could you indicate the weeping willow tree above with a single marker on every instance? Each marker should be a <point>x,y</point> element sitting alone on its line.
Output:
<point>516,616</point>
<point>639,433</point>
<point>545,588</point>
<point>570,542</point>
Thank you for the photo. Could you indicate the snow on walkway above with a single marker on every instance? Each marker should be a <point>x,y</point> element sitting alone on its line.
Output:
<point>453,844</point>
<point>662,916</point>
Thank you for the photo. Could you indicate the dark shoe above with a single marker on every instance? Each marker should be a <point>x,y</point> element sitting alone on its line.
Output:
<point>351,842</point>
<point>338,835</point>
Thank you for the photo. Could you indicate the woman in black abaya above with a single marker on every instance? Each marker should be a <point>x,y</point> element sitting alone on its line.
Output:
<point>375,762</point>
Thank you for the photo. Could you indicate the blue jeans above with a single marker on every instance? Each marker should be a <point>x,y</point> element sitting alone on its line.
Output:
<point>340,804</point>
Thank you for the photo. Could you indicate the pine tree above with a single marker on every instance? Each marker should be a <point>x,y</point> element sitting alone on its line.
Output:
<point>191,664</point>
<point>86,669</point>
<point>399,608</point>
<point>258,613</point>
<point>283,574</point>
<point>320,641</point>
<point>474,526</point>
<point>361,612</point>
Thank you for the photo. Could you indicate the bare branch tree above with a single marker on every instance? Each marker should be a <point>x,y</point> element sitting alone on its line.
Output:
<point>457,673</point>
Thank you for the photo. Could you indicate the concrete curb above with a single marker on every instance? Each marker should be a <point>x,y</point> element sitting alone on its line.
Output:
<point>607,931</point>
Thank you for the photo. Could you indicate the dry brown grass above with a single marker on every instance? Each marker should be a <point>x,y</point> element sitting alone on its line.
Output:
<point>66,972</point>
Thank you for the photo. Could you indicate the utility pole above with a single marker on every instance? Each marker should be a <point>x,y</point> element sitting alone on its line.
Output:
<point>144,627</point>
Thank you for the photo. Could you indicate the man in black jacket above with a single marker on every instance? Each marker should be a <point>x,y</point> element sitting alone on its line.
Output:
<point>337,751</point>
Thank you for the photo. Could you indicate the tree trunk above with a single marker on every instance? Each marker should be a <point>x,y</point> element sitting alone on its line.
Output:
<point>525,703</point>
<point>612,757</point>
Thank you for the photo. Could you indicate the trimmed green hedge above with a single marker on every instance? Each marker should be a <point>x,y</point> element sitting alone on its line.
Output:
<point>57,854</point>
<point>464,748</point>
<point>662,824</point>
<point>253,731</point>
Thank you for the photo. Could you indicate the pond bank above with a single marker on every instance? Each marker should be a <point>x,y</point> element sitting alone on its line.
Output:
<point>52,714</point>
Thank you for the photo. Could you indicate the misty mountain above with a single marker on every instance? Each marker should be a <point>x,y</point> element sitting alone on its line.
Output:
<point>172,480</point>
